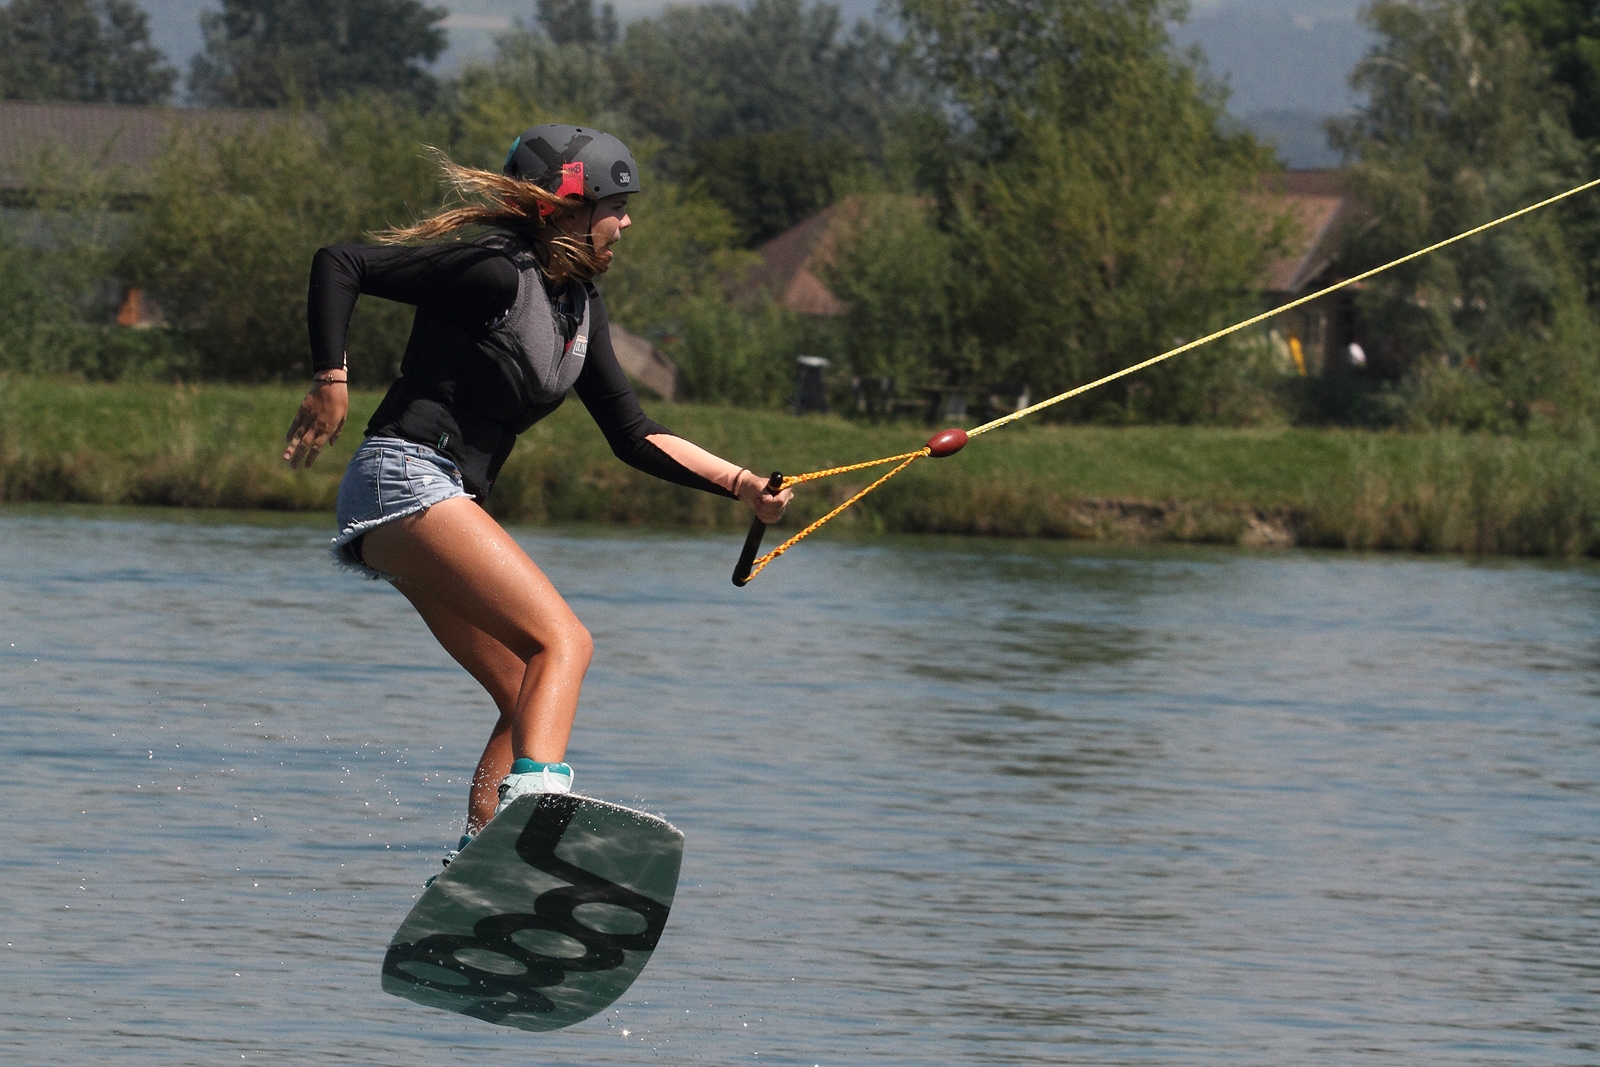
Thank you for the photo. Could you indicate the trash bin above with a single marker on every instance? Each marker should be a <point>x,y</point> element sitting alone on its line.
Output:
<point>811,385</point>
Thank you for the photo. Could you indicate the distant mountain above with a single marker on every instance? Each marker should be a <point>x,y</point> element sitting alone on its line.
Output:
<point>1287,64</point>
<point>1300,136</point>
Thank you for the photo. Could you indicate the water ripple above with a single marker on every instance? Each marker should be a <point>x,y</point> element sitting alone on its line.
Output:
<point>946,801</point>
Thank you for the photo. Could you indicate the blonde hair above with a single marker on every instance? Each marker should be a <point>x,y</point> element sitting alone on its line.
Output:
<point>485,198</point>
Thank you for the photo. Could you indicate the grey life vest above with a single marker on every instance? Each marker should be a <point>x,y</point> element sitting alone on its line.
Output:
<point>529,336</point>
<point>468,391</point>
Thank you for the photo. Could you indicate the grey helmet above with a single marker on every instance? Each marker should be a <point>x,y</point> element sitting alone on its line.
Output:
<point>546,154</point>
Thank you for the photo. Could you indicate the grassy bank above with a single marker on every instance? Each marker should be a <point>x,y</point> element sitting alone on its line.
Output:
<point>216,446</point>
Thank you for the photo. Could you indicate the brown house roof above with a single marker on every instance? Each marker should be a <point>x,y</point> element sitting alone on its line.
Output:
<point>788,265</point>
<point>1316,203</point>
<point>123,136</point>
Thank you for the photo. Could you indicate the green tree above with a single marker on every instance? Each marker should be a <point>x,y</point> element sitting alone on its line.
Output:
<point>95,51</point>
<point>894,268</point>
<point>1097,208</point>
<point>680,249</point>
<point>772,110</point>
<point>50,299</point>
<point>696,75</point>
<point>58,265</point>
<point>1463,124</point>
<point>1568,33</point>
<point>531,79</point>
<point>269,53</point>
<point>999,63</point>
<point>770,181</point>
<point>225,242</point>
<point>577,22</point>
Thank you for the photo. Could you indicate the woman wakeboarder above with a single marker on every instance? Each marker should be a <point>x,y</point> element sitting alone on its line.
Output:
<point>506,325</point>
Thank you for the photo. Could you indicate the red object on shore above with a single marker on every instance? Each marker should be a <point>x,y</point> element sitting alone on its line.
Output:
<point>946,443</point>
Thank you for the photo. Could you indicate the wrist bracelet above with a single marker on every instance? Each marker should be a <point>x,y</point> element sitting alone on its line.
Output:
<point>331,381</point>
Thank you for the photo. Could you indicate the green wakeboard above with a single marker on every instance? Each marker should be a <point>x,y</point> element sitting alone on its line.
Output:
<point>545,918</point>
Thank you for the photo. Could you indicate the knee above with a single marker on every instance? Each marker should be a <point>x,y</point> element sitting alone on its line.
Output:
<point>584,646</point>
<point>572,645</point>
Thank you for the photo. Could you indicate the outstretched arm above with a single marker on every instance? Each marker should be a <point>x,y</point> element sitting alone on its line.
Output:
<point>739,482</point>
<point>651,447</point>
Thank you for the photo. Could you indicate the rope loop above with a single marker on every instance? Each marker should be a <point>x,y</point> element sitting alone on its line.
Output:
<point>906,458</point>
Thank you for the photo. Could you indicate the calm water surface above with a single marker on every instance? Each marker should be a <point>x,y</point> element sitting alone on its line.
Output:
<point>945,801</point>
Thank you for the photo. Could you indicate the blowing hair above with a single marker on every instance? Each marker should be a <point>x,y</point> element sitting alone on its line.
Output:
<point>484,198</point>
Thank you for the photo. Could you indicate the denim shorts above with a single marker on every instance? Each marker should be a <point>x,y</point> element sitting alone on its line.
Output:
<point>388,479</point>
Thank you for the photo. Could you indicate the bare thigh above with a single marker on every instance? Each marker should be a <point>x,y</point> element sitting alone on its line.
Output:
<point>476,589</point>
<point>491,664</point>
<point>456,556</point>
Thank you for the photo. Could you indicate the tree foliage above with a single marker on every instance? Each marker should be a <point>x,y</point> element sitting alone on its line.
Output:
<point>1463,124</point>
<point>771,181</point>
<point>226,240</point>
<point>697,75</point>
<point>1003,61</point>
<point>1567,32</point>
<point>577,22</point>
<point>1097,209</point>
<point>532,79</point>
<point>50,303</point>
<point>895,269</point>
<point>58,299</point>
<point>86,51</point>
<point>271,53</point>
<point>772,110</point>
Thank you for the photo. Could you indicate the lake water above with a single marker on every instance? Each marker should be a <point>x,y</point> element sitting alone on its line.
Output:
<point>945,801</point>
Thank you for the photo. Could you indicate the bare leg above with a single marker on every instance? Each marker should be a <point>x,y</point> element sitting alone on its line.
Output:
<point>476,588</point>
<point>500,672</point>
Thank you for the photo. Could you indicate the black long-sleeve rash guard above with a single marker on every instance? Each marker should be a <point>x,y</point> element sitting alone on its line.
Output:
<point>453,393</point>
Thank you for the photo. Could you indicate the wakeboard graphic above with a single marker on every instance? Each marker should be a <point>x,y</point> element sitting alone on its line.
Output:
<point>545,918</point>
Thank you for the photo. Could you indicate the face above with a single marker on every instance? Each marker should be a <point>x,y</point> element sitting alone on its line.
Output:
<point>605,227</point>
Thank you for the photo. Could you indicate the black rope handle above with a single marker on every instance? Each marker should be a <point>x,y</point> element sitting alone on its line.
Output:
<point>752,540</point>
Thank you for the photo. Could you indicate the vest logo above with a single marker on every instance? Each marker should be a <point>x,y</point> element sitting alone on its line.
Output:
<point>620,174</point>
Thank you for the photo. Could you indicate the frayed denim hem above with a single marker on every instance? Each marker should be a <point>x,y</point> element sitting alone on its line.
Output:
<point>388,479</point>
<point>339,547</point>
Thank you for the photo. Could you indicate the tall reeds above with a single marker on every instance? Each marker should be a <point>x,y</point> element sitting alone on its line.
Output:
<point>1449,492</point>
<point>1479,494</point>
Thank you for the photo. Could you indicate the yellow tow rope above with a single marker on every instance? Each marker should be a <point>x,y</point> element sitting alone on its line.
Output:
<point>948,442</point>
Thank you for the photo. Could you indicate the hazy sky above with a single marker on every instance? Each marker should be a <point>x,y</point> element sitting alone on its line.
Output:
<point>1277,54</point>
<point>1280,54</point>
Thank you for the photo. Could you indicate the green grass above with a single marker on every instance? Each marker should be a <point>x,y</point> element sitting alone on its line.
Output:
<point>218,446</point>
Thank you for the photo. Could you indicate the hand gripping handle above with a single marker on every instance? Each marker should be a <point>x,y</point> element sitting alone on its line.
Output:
<point>752,541</point>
